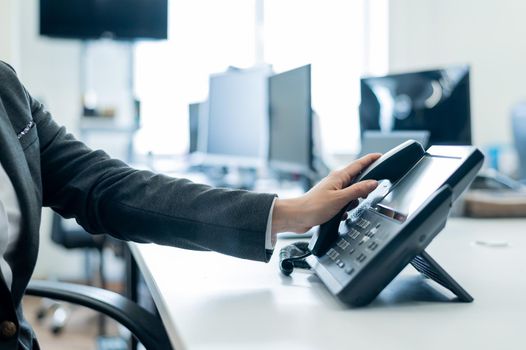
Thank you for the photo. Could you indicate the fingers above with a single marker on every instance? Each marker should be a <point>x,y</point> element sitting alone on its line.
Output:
<point>358,165</point>
<point>352,204</point>
<point>353,169</point>
<point>359,190</point>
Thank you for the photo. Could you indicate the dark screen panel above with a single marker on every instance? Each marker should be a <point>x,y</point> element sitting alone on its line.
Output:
<point>120,19</point>
<point>437,101</point>
<point>412,190</point>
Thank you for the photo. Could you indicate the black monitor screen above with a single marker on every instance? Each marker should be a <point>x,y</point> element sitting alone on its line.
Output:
<point>238,114</point>
<point>437,101</point>
<point>290,134</point>
<point>120,19</point>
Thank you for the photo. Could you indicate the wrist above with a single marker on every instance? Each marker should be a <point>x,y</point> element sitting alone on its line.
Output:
<point>288,216</point>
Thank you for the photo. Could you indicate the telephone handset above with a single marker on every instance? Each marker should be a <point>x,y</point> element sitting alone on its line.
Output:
<point>358,257</point>
<point>390,166</point>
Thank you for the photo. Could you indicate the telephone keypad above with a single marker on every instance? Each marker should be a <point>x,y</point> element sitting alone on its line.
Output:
<point>357,245</point>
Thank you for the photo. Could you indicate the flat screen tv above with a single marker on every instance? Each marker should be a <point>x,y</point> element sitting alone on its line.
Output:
<point>93,19</point>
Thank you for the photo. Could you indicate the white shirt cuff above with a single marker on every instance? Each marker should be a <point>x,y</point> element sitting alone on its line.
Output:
<point>270,239</point>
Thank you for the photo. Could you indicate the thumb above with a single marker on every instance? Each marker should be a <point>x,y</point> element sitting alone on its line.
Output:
<point>359,190</point>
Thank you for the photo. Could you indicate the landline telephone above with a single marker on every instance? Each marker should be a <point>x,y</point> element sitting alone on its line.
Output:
<point>357,258</point>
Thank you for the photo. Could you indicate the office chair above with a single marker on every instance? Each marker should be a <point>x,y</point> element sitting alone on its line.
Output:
<point>73,236</point>
<point>518,121</point>
<point>146,327</point>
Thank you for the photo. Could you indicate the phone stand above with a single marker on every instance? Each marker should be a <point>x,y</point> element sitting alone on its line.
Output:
<point>428,267</point>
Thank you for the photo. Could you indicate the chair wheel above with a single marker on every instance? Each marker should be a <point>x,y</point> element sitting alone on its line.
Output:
<point>56,330</point>
<point>41,314</point>
<point>58,322</point>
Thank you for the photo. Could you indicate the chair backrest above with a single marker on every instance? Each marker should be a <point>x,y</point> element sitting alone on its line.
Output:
<point>518,120</point>
<point>145,326</point>
<point>71,235</point>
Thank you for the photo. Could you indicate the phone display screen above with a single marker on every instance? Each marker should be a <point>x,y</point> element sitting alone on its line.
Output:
<point>412,190</point>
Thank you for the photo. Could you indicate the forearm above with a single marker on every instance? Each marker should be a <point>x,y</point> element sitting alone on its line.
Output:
<point>106,196</point>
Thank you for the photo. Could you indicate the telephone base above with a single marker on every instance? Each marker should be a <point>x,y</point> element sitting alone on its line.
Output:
<point>428,267</point>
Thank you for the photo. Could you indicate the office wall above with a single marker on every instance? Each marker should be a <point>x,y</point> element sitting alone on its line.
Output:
<point>50,71</point>
<point>21,47</point>
<point>489,35</point>
<point>48,67</point>
<point>8,31</point>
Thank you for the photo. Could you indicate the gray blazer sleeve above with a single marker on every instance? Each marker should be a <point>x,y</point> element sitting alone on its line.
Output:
<point>107,196</point>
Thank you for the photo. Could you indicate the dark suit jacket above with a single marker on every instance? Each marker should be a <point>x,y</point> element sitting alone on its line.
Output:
<point>48,167</point>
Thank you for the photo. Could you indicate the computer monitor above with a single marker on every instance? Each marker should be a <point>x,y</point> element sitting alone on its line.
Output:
<point>290,121</point>
<point>238,117</point>
<point>437,101</point>
<point>197,115</point>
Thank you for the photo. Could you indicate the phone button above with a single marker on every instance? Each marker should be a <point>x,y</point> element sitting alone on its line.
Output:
<point>363,240</point>
<point>372,232</point>
<point>373,246</point>
<point>354,233</point>
<point>361,257</point>
<point>363,223</point>
<point>332,254</point>
<point>342,243</point>
<point>349,270</point>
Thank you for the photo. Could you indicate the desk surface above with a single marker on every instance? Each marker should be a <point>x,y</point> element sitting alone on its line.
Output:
<point>210,301</point>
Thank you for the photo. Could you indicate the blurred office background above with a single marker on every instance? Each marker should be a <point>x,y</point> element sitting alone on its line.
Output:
<point>342,40</point>
<point>140,90</point>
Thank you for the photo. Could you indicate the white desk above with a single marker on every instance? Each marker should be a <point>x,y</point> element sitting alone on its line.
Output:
<point>210,301</point>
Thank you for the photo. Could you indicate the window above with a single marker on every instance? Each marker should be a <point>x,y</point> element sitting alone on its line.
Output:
<point>207,36</point>
<point>204,37</point>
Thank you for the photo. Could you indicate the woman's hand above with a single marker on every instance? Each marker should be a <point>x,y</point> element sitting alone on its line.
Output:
<point>324,200</point>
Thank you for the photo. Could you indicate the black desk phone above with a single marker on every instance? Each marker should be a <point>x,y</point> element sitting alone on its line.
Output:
<point>358,257</point>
